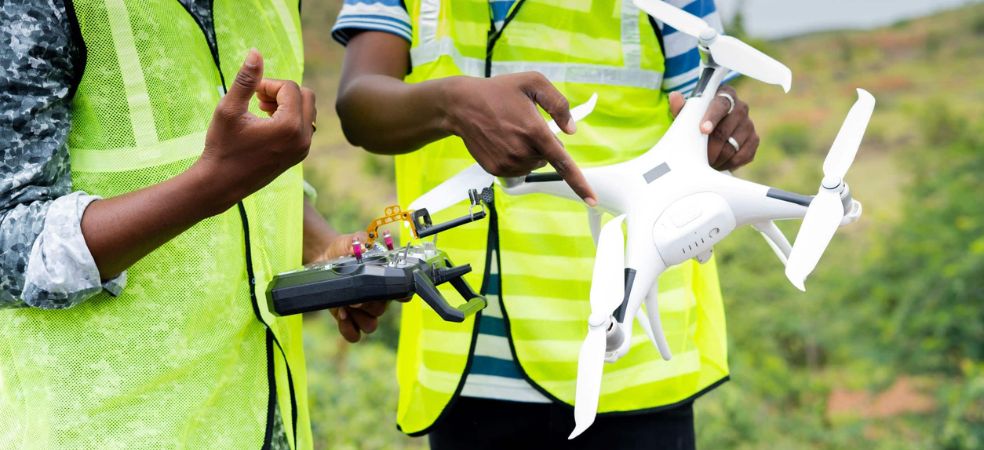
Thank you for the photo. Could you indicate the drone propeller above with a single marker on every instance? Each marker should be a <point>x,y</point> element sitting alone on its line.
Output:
<point>727,51</point>
<point>578,112</point>
<point>594,223</point>
<point>456,188</point>
<point>607,290</point>
<point>827,210</point>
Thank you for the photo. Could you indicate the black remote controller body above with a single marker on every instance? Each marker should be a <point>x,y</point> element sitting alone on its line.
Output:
<point>380,275</point>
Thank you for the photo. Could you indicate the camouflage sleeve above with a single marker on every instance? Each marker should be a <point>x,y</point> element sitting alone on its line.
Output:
<point>44,261</point>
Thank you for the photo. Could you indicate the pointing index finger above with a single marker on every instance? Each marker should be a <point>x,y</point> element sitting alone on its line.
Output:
<point>553,151</point>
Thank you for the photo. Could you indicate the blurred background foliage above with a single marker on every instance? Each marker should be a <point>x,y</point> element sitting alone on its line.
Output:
<point>884,350</point>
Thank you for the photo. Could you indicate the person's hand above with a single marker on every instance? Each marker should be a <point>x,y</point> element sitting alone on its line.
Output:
<point>721,125</point>
<point>354,320</point>
<point>244,152</point>
<point>498,120</point>
<point>341,246</point>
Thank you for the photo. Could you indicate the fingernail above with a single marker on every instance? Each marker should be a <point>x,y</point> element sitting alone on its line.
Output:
<point>357,305</point>
<point>707,127</point>
<point>252,59</point>
<point>572,126</point>
<point>591,201</point>
<point>341,314</point>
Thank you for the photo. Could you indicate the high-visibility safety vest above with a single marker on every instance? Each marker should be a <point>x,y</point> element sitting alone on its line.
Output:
<point>546,251</point>
<point>185,357</point>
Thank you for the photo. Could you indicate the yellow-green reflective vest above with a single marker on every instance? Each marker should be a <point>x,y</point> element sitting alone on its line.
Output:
<point>546,250</point>
<point>182,359</point>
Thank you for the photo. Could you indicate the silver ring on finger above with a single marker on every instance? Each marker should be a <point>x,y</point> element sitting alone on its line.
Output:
<point>734,143</point>
<point>731,101</point>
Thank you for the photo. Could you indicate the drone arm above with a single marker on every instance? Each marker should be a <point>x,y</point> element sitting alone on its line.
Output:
<point>754,203</point>
<point>685,131</point>
<point>543,183</point>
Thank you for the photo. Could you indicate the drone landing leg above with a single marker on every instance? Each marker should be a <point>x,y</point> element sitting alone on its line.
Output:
<point>652,313</point>
<point>777,241</point>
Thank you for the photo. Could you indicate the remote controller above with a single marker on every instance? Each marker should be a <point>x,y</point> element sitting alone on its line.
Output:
<point>382,275</point>
<point>383,272</point>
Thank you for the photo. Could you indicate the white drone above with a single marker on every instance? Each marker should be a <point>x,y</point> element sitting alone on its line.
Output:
<point>676,207</point>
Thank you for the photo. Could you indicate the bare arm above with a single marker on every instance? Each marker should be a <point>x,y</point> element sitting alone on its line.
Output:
<point>496,117</point>
<point>371,93</point>
<point>242,154</point>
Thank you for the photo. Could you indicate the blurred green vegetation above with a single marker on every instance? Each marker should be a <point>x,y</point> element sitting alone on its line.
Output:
<point>886,348</point>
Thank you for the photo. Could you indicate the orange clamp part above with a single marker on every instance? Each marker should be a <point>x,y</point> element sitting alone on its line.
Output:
<point>392,214</point>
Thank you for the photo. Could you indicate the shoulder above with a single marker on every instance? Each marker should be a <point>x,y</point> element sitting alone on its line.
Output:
<point>43,48</point>
<point>37,73</point>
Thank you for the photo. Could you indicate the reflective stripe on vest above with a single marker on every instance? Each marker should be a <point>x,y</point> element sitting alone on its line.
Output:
<point>181,357</point>
<point>545,245</point>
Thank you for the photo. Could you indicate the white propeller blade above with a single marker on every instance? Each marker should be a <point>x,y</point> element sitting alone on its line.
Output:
<point>673,16</point>
<point>845,146</point>
<point>743,58</point>
<point>727,51</point>
<point>594,223</point>
<point>590,365</point>
<point>826,211</point>
<point>607,291</point>
<point>608,280</point>
<point>578,113</point>
<point>819,225</point>
<point>454,190</point>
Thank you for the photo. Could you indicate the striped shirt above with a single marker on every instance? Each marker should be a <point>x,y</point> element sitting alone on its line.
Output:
<point>494,372</point>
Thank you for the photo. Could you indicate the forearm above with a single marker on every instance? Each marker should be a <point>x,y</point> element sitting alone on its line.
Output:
<point>119,231</point>
<point>388,116</point>
<point>381,112</point>
<point>318,234</point>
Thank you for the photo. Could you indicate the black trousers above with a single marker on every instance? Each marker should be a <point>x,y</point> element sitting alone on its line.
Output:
<point>473,424</point>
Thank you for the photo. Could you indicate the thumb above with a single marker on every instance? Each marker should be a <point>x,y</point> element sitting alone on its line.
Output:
<point>246,82</point>
<point>676,103</point>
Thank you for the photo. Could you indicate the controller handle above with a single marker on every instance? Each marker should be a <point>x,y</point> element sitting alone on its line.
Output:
<point>425,287</point>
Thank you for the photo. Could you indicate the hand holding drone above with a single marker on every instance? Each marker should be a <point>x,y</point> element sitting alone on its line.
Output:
<point>676,207</point>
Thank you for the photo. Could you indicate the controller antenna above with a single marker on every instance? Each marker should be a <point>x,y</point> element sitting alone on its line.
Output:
<point>388,239</point>
<point>357,249</point>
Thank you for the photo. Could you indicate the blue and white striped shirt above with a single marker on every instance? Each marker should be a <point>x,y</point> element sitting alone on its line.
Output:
<point>682,59</point>
<point>494,372</point>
